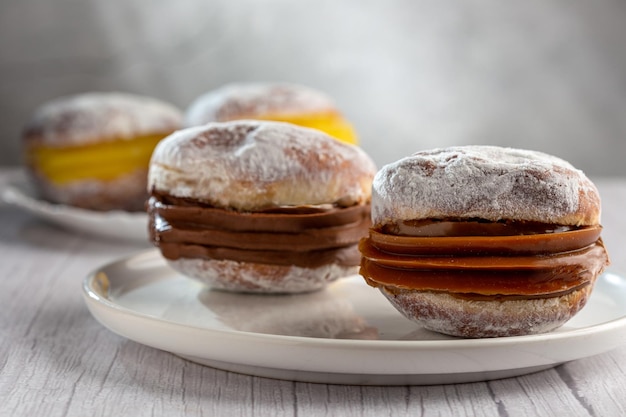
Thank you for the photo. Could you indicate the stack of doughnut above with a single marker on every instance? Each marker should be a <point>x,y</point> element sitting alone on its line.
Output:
<point>291,103</point>
<point>92,150</point>
<point>483,241</point>
<point>259,206</point>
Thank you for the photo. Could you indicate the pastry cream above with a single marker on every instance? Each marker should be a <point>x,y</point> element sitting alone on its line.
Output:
<point>303,236</point>
<point>330,123</point>
<point>102,161</point>
<point>469,260</point>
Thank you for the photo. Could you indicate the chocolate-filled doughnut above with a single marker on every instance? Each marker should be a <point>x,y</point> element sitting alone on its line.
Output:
<point>257,206</point>
<point>92,150</point>
<point>283,102</point>
<point>484,241</point>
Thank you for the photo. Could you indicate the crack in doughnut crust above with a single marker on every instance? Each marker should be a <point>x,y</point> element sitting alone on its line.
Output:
<point>486,182</point>
<point>249,165</point>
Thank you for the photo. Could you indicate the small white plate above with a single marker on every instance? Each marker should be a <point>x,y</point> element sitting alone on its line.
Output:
<point>115,224</point>
<point>345,334</point>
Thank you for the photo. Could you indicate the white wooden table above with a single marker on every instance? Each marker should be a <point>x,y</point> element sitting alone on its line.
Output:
<point>56,360</point>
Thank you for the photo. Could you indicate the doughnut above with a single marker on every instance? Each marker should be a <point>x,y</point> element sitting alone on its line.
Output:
<point>259,206</point>
<point>484,241</point>
<point>291,103</point>
<point>92,150</point>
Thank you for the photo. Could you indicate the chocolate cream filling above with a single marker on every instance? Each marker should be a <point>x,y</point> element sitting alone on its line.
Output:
<point>305,236</point>
<point>481,260</point>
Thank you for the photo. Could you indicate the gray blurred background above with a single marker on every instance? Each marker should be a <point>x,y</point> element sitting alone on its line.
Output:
<point>540,74</point>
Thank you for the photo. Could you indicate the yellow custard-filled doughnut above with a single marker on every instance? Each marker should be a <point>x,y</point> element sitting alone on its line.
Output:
<point>93,150</point>
<point>68,164</point>
<point>289,103</point>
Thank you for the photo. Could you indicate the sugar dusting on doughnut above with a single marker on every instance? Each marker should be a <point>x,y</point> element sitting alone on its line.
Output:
<point>95,117</point>
<point>493,290</point>
<point>240,100</point>
<point>485,182</point>
<point>444,313</point>
<point>259,278</point>
<point>128,192</point>
<point>247,164</point>
<point>259,206</point>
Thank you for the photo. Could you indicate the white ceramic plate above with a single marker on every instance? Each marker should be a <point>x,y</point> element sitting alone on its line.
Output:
<point>346,334</point>
<point>119,225</point>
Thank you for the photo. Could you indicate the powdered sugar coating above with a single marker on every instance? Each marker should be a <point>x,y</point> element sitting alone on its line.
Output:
<point>250,100</point>
<point>444,313</point>
<point>126,192</point>
<point>260,278</point>
<point>486,182</point>
<point>94,117</point>
<point>247,165</point>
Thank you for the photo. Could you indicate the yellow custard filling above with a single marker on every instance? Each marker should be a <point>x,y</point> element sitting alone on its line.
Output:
<point>331,123</point>
<point>101,161</point>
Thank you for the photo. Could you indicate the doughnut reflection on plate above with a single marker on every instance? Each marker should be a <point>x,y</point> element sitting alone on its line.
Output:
<point>317,314</point>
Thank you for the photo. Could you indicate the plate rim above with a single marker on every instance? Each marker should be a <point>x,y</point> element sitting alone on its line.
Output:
<point>18,192</point>
<point>90,294</point>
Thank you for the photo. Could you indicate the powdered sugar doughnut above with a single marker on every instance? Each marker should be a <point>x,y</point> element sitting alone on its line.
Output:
<point>483,241</point>
<point>265,207</point>
<point>92,150</point>
<point>283,102</point>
